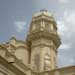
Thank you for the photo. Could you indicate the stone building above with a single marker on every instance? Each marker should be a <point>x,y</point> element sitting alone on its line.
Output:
<point>36,55</point>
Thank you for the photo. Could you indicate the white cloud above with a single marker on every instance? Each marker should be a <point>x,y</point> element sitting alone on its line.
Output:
<point>65,46</point>
<point>63,1</point>
<point>20,26</point>
<point>65,61</point>
<point>70,20</point>
<point>71,61</point>
<point>61,27</point>
<point>66,26</point>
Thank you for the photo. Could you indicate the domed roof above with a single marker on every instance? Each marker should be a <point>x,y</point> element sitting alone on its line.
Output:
<point>44,12</point>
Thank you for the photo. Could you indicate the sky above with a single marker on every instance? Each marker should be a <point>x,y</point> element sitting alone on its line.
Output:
<point>16,15</point>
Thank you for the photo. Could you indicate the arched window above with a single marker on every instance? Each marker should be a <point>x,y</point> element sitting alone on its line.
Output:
<point>50,27</point>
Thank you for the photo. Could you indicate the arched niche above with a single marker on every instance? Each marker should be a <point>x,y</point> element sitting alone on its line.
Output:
<point>22,54</point>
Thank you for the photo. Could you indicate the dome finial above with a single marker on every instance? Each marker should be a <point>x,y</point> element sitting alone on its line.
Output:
<point>43,10</point>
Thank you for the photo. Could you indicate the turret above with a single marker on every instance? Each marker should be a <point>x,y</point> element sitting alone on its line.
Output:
<point>43,41</point>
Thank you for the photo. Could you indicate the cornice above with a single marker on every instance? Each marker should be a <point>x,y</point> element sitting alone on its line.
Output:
<point>44,17</point>
<point>46,35</point>
<point>10,67</point>
<point>65,70</point>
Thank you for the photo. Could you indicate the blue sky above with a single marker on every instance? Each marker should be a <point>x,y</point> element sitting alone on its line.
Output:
<point>15,18</point>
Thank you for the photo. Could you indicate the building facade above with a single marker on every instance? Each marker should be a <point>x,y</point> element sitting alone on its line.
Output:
<point>36,55</point>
